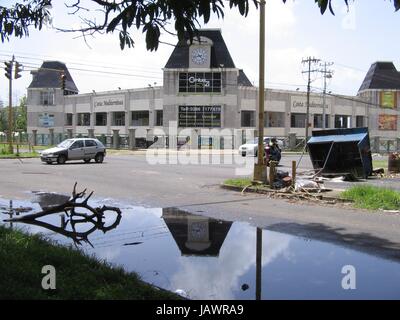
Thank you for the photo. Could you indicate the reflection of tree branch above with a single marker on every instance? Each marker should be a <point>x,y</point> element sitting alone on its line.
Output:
<point>95,217</point>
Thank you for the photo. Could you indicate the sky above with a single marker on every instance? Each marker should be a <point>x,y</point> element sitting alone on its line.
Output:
<point>353,39</point>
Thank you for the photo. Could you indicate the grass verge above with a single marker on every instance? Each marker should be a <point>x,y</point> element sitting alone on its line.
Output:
<point>20,155</point>
<point>78,276</point>
<point>238,182</point>
<point>380,164</point>
<point>374,198</point>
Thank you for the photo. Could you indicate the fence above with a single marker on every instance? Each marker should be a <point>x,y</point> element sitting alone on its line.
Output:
<point>381,145</point>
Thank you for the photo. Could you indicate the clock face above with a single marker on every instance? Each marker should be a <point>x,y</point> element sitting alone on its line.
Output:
<point>199,56</point>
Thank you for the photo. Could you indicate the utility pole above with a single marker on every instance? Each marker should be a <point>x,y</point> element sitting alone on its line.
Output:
<point>309,62</point>
<point>260,169</point>
<point>327,74</point>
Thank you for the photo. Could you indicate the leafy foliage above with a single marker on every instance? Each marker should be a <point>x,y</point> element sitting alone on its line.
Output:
<point>19,18</point>
<point>152,17</point>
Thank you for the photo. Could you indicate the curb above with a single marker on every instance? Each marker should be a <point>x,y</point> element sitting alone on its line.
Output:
<point>288,195</point>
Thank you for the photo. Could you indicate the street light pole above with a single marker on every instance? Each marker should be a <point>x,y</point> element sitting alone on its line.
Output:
<point>260,169</point>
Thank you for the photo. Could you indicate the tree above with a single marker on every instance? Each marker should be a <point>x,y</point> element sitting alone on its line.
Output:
<point>21,115</point>
<point>152,17</point>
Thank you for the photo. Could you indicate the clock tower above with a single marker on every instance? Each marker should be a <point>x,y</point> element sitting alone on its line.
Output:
<point>200,53</point>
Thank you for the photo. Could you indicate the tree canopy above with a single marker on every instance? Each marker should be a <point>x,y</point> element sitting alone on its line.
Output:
<point>152,17</point>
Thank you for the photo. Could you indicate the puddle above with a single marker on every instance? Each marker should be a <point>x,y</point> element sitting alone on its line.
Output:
<point>205,258</point>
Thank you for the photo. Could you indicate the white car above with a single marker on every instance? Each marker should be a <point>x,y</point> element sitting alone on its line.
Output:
<point>75,149</point>
<point>250,147</point>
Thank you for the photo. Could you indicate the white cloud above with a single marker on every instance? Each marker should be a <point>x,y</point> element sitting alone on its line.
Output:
<point>202,279</point>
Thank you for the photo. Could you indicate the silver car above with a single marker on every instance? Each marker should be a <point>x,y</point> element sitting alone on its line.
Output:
<point>84,149</point>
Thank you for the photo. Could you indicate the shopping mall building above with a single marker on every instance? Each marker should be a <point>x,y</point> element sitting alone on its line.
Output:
<point>205,100</point>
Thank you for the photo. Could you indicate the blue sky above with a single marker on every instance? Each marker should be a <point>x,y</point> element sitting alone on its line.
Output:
<point>352,39</point>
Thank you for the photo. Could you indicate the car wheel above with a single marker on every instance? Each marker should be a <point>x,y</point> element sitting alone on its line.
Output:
<point>86,160</point>
<point>61,159</point>
<point>99,158</point>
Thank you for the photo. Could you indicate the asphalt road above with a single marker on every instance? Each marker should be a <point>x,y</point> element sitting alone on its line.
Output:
<point>140,180</point>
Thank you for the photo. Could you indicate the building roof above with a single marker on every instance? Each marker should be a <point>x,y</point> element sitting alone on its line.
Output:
<point>243,80</point>
<point>219,52</point>
<point>381,75</point>
<point>48,76</point>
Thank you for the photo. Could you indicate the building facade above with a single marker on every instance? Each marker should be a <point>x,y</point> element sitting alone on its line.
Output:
<point>205,101</point>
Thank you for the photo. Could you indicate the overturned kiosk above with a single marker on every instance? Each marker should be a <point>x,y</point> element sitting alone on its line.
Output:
<point>335,152</point>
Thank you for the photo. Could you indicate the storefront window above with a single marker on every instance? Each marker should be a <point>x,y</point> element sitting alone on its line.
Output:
<point>200,82</point>
<point>342,121</point>
<point>318,121</point>
<point>83,119</point>
<point>360,121</point>
<point>298,120</point>
<point>274,119</point>
<point>101,118</point>
<point>68,119</point>
<point>159,118</point>
<point>248,119</point>
<point>140,118</point>
<point>118,118</point>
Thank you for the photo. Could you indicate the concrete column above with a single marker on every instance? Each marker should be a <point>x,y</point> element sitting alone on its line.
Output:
<point>195,139</point>
<point>238,138</point>
<point>292,140</point>
<point>376,144</point>
<point>132,138</point>
<point>91,133</point>
<point>34,133</point>
<point>116,138</point>
<point>51,132</point>
<point>70,133</point>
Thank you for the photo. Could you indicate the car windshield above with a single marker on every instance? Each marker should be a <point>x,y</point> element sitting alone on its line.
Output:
<point>65,143</point>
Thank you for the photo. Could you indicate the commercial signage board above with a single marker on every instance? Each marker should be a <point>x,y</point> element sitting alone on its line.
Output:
<point>109,103</point>
<point>388,99</point>
<point>46,120</point>
<point>199,116</point>
<point>387,122</point>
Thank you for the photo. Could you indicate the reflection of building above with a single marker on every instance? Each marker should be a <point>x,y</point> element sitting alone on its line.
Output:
<point>194,234</point>
<point>203,89</point>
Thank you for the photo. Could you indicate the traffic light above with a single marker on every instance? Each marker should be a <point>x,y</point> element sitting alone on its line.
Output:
<point>17,70</point>
<point>8,69</point>
<point>63,78</point>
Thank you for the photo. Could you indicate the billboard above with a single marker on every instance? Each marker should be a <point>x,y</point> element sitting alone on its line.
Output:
<point>46,120</point>
<point>388,99</point>
<point>199,116</point>
<point>387,122</point>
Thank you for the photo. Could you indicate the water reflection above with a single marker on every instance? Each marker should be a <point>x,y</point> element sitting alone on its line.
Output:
<point>213,259</point>
<point>194,234</point>
<point>77,218</point>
